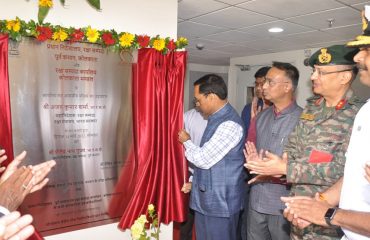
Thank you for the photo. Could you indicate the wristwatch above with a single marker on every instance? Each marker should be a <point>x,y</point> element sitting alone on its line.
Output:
<point>329,215</point>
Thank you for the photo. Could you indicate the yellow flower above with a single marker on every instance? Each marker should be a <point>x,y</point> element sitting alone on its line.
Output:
<point>92,35</point>
<point>13,25</point>
<point>46,3</point>
<point>159,44</point>
<point>60,35</point>
<point>182,42</point>
<point>126,39</point>
<point>142,220</point>
<point>136,230</point>
<point>150,207</point>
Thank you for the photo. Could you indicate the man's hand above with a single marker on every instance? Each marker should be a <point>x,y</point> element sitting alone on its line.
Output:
<point>13,166</point>
<point>367,171</point>
<point>15,227</point>
<point>251,154</point>
<point>40,171</point>
<point>264,178</point>
<point>271,165</point>
<point>15,188</point>
<point>186,188</point>
<point>3,157</point>
<point>309,209</point>
<point>183,136</point>
<point>255,109</point>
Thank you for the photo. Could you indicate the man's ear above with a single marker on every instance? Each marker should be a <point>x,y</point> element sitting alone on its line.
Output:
<point>346,77</point>
<point>288,87</point>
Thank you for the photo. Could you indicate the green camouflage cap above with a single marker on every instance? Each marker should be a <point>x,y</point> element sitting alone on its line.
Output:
<point>333,55</point>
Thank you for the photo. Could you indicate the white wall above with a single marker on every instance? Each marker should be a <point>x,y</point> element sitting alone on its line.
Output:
<point>192,67</point>
<point>238,80</point>
<point>140,16</point>
<point>149,17</point>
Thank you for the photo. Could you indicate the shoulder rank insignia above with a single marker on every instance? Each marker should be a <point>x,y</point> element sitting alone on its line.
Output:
<point>341,104</point>
<point>324,57</point>
<point>307,116</point>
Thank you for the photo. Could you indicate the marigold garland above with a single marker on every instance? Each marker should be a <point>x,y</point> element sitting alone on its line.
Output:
<point>16,29</point>
<point>126,40</point>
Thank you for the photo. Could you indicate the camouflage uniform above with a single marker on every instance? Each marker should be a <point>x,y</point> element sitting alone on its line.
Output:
<point>326,130</point>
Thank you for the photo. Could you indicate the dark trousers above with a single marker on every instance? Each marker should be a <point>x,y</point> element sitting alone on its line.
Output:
<point>186,228</point>
<point>242,225</point>
<point>216,228</point>
<point>262,226</point>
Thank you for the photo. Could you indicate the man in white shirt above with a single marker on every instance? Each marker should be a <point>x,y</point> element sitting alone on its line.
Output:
<point>195,124</point>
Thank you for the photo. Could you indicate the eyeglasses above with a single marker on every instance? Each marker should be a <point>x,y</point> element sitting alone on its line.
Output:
<point>321,73</point>
<point>272,83</point>
<point>197,101</point>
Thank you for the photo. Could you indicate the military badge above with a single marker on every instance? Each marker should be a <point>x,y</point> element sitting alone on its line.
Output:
<point>324,57</point>
<point>307,116</point>
<point>341,104</point>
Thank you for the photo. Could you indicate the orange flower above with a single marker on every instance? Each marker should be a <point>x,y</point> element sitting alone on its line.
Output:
<point>60,35</point>
<point>13,25</point>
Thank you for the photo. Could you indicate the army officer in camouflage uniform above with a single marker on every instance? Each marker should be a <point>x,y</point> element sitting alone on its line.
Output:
<point>314,156</point>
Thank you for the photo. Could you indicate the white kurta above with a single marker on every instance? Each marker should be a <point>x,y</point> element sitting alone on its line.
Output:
<point>355,193</point>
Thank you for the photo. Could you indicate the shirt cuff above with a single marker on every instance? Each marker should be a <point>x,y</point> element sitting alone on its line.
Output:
<point>188,143</point>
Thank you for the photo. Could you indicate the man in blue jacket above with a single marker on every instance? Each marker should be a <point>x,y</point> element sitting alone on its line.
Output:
<point>218,182</point>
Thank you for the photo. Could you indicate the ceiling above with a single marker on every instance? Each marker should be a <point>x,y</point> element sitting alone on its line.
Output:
<point>236,28</point>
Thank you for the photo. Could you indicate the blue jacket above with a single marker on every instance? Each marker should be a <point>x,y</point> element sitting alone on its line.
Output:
<point>219,191</point>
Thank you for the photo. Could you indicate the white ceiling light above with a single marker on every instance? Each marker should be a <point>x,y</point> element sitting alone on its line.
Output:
<point>275,30</point>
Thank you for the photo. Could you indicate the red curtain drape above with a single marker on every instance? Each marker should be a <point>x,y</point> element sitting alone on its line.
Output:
<point>6,138</point>
<point>6,141</point>
<point>154,172</point>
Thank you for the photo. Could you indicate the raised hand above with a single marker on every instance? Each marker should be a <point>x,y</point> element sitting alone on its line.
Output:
<point>305,208</point>
<point>3,157</point>
<point>271,165</point>
<point>40,171</point>
<point>13,166</point>
<point>183,136</point>
<point>367,171</point>
<point>251,154</point>
<point>14,189</point>
<point>16,227</point>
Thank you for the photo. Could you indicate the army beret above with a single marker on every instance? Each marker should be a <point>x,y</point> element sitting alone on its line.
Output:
<point>333,55</point>
<point>364,39</point>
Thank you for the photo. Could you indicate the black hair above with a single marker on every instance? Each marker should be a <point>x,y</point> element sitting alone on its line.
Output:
<point>262,72</point>
<point>212,83</point>
<point>290,71</point>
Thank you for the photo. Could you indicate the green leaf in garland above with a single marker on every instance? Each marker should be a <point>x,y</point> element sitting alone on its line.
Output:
<point>43,11</point>
<point>95,3</point>
<point>63,2</point>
